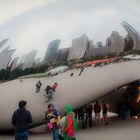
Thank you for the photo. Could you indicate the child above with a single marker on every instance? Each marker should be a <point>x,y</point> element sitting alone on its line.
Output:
<point>54,86</point>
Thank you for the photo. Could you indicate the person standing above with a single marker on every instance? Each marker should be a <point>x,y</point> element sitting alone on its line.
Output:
<point>104,111</point>
<point>70,124</point>
<point>53,121</point>
<point>89,110</point>
<point>97,111</point>
<point>81,116</point>
<point>127,113</point>
<point>21,119</point>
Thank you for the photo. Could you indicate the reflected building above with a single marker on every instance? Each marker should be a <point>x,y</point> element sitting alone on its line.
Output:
<point>21,62</point>
<point>63,54</point>
<point>51,52</point>
<point>37,62</point>
<point>3,42</point>
<point>115,43</point>
<point>29,59</point>
<point>132,40</point>
<point>93,52</point>
<point>5,58</point>
<point>5,49</point>
<point>79,47</point>
<point>99,45</point>
<point>14,63</point>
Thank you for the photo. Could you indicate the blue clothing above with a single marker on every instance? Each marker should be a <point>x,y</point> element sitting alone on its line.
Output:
<point>21,135</point>
<point>55,132</point>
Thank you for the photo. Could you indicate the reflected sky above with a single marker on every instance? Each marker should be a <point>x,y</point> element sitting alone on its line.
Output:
<point>32,24</point>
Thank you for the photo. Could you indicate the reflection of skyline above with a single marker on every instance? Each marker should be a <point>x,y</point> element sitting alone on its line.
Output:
<point>81,47</point>
<point>67,19</point>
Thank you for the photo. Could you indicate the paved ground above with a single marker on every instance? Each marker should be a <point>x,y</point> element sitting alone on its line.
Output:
<point>117,130</point>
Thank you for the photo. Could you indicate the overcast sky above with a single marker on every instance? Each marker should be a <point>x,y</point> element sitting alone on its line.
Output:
<point>32,24</point>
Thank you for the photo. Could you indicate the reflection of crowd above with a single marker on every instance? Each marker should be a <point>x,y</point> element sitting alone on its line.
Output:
<point>84,114</point>
<point>124,110</point>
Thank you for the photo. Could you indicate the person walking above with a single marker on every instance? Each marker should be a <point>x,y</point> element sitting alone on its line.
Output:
<point>104,111</point>
<point>21,119</point>
<point>97,111</point>
<point>70,124</point>
<point>53,121</point>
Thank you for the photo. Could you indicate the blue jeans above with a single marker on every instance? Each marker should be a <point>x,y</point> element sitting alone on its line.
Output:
<point>21,135</point>
<point>55,134</point>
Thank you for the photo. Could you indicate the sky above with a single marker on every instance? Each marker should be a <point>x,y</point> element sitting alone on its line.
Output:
<point>32,24</point>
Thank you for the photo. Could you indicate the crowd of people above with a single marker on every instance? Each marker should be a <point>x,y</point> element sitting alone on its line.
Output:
<point>84,114</point>
<point>22,119</point>
<point>63,127</point>
<point>124,110</point>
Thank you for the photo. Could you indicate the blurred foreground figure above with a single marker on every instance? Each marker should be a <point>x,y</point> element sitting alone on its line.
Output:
<point>70,124</point>
<point>21,120</point>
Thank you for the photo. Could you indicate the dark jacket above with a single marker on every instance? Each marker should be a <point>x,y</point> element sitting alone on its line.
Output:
<point>21,119</point>
<point>104,107</point>
<point>97,108</point>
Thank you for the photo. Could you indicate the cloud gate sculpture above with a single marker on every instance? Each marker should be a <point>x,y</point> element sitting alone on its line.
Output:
<point>94,83</point>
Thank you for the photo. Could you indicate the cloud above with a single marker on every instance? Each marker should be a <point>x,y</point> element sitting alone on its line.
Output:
<point>12,8</point>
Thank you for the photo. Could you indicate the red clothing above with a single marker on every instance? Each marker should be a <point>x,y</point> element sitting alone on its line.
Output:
<point>70,128</point>
<point>97,108</point>
<point>54,86</point>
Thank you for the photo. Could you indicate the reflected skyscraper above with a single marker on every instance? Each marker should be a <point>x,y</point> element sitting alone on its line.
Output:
<point>3,42</point>
<point>5,58</point>
<point>99,45</point>
<point>115,43</point>
<point>37,62</point>
<point>63,54</point>
<point>29,59</point>
<point>5,49</point>
<point>79,47</point>
<point>51,51</point>
<point>14,63</point>
<point>133,36</point>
